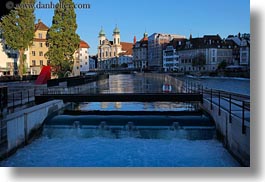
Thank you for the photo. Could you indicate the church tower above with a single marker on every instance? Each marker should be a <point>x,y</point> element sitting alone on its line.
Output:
<point>101,36</point>
<point>116,36</point>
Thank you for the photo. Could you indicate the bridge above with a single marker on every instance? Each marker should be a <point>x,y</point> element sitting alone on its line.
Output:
<point>122,97</point>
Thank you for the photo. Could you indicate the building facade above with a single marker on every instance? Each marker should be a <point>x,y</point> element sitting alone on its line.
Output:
<point>170,59</point>
<point>92,63</point>
<point>241,51</point>
<point>81,62</point>
<point>8,59</point>
<point>201,54</point>
<point>140,53</point>
<point>156,44</point>
<point>110,51</point>
<point>36,53</point>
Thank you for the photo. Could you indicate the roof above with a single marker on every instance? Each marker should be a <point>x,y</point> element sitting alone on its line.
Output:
<point>83,44</point>
<point>41,26</point>
<point>102,33</point>
<point>127,48</point>
<point>212,37</point>
<point>116,30</point>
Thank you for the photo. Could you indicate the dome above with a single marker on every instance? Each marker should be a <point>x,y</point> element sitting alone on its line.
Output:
<point>116,30</point>
<point>102,33</point>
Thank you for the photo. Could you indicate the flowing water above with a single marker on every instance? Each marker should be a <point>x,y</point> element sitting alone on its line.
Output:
<point>79,145</point>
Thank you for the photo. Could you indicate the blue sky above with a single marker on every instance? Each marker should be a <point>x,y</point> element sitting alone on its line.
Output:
<point>133,17</point>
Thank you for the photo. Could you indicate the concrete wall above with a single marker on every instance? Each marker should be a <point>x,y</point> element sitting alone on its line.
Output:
<point>231,133</point>
<point>20,125</point>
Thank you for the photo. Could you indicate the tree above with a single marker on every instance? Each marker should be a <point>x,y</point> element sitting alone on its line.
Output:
<point>62,38</point>
<point>18,30</point>
<point>199,60</point>
<point>222,65</point>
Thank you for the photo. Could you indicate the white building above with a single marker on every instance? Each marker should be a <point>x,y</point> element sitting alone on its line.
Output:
<point>8,60</point>
<point>170,59</point>
<point>156,44</point>
<point>126,59</point>
<point>81,64</point>
<point>109,51</point>
<point>210,48</point>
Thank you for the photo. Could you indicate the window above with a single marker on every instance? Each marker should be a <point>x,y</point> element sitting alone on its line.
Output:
<point>47,44</point>
<point>40,53</point>
<point>33,62</point>
<point>40,35</point>
<point>40,44</point>
<point>33,53</point>
<point>41,62</point>
<point>85,57</point>
<point>118,40</point>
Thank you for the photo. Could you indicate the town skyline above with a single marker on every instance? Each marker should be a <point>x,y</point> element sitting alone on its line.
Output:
<point>108,14</point>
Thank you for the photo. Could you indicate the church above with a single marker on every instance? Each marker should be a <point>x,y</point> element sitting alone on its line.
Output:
<point>110,51</point>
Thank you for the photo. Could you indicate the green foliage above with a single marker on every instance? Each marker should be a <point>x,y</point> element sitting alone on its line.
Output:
<point>199,60</point>
<point>222,65</point>
<point>18,30</point>
<point>62,38</point>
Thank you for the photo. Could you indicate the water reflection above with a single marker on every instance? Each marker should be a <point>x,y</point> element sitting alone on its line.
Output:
<point>136,106</point>
<point>136,83</point>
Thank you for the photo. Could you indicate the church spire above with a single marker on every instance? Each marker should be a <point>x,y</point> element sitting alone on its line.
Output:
<point>134,40</point>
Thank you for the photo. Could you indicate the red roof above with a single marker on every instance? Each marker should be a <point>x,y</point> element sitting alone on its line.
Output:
<point>127,48</point>
<point>41,26</point>
<point>83,44</point>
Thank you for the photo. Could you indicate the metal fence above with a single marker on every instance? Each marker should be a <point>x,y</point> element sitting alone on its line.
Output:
<point>233,103</point>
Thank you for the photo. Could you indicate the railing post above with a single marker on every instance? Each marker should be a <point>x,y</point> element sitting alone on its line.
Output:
<point>13,102</point>
<point>28,96</point>
<point>219,103</point>
<point>202,93</point>
<point>21,97</point>
<point>211,99</point>
<point>243,118</point>
<point>230,109</point>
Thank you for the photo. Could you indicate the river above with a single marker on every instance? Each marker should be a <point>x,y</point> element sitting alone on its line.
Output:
<point>69,147</point>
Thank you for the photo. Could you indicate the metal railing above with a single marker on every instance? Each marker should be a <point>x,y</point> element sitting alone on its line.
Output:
<point>227,101</point>
<point>23,98</point>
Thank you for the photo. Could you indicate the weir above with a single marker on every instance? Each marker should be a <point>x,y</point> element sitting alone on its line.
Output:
<point>147,124</point>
